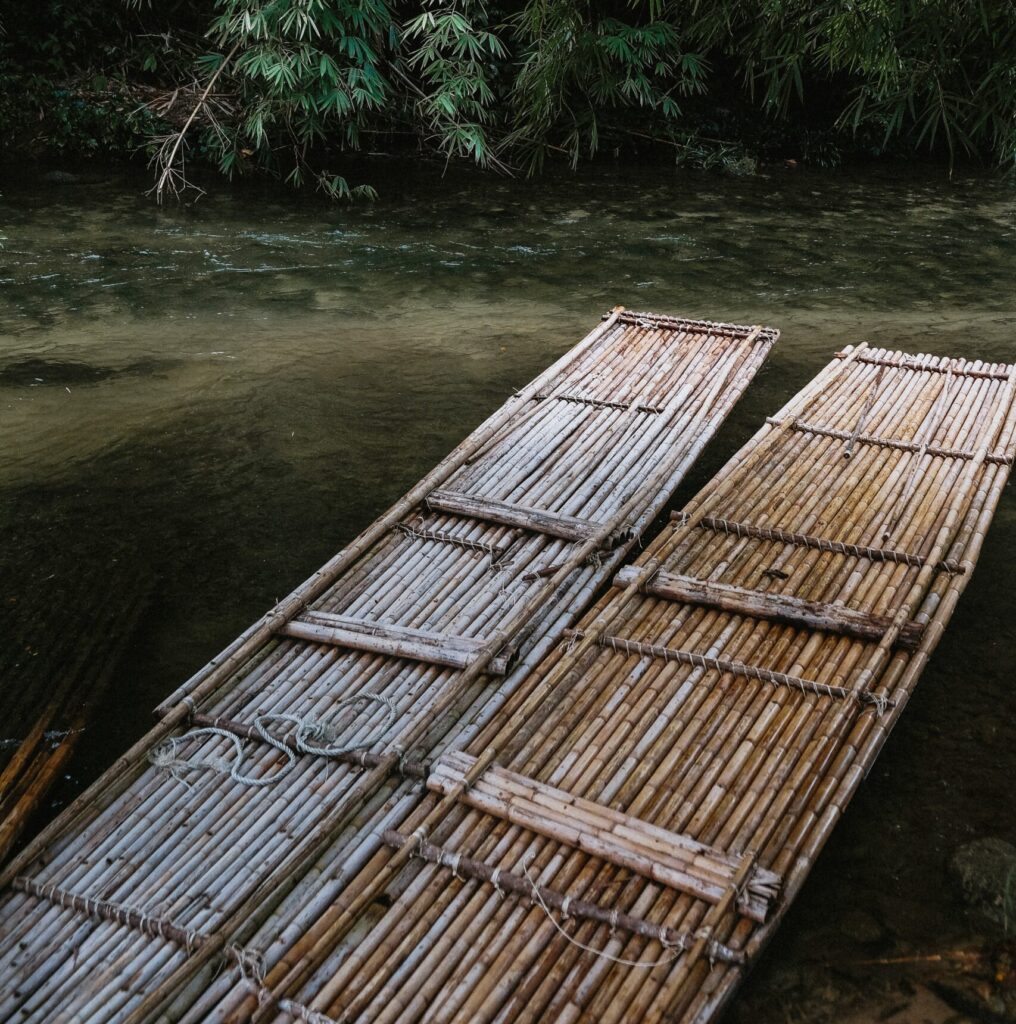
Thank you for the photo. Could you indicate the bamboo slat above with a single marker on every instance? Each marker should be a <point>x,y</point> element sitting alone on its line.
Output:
<point>218,830</point>
<point>537,520</point>
<point>708,748</point>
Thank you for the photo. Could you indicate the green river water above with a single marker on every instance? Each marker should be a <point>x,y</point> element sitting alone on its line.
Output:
<point>222,394</point>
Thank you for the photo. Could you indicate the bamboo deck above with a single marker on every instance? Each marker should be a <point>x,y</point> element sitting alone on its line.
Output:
<point>418,634</point>
<point>619,837</point>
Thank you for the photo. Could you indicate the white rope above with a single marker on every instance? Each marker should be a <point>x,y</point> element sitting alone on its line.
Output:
<point>676,950</point>
<point>304,732</point>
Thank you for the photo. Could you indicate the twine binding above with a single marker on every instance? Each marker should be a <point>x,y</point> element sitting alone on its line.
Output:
<point>623,645</point>
<point>819,543</point>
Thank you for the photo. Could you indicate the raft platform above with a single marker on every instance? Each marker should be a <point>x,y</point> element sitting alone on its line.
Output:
<point>308,726</point>
<point>619,839</point>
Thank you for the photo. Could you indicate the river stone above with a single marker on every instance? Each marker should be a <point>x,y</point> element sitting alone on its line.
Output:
<point>985,871</point>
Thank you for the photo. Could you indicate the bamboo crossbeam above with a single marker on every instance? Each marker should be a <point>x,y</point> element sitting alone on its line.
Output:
<point>390,639</point>
<point>680,323</point>
<point>104,910</point>
<point>553,524</point>
<point>783,608</point>
<point>904,363</point>
<point>995,458</point>
<point>519,885</point>
<point>658,854</point>
<point>627,646</point>
<point>742,529</point>
<point>598,403</point>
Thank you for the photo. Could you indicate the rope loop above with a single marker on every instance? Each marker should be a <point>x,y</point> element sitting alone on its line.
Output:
<point>673,950</point>
<point>308,735</point>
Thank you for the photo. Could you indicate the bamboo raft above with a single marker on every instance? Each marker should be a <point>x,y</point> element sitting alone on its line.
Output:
<point>63,652</point>
<point>619,837</point>
<point>316,722</point>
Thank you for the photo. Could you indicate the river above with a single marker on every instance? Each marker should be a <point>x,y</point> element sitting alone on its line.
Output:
<point>219,395</point>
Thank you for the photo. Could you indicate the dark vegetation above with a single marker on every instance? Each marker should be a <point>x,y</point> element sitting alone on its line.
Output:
<point>287,87</point>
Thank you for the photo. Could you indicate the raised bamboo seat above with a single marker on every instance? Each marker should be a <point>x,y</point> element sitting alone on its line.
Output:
<point>782,608</point>
<point>669,858</point>
<point>390,639</point>
<point>553,524</point>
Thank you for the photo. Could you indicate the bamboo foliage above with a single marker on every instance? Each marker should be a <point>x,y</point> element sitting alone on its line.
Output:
<point>168,842</point>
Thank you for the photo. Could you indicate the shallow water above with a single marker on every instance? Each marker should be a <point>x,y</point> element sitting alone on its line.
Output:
<point>220,395</point>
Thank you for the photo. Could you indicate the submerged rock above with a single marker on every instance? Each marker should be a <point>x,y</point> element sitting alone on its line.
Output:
<point>61,178</point>
<point>861,927</point>
<point>985,872</point>
<point>36,372</point>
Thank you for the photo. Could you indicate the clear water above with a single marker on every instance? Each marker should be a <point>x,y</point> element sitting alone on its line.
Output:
<point>222,394</point>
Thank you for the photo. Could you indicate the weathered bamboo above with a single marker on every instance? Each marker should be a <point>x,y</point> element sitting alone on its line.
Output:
<point>536,520</point>
<point>335,922</point>
<point>389,639</point>
<point>257,903</point>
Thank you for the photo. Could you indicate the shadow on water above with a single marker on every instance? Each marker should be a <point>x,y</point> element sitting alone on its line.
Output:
<point>221,395</point>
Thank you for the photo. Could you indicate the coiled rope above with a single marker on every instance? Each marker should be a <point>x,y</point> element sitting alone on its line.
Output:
<point>306,733</point>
